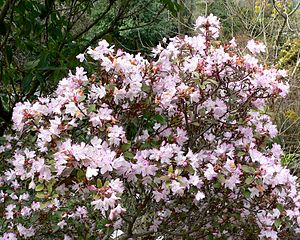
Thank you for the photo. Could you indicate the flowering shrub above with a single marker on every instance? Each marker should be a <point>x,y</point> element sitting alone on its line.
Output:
<point>178,146</point>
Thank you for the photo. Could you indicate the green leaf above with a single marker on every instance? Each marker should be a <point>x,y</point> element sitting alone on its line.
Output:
<point>280,207</point>
<point>249,180</point>
<point>197,124</point>
<point>170,169</point>
<point>161,119</point>
<point>50,189</point>
<point>210,81</point>
<point>277,223</point>
<point>39,187</point>
<point>9,54</point>
<point>211,237</point>
<point>259,181</point>
<point>82,98</point>
<point>164,178</point>
<point>173,6</point>
<point>146,88</point>
<point>99,183</point>
<point>43,63</point>
<point>5,101</point>
<point>221,179</point>
<point>3,188</point>
<point>92,108</point>
<point>241,153</point>
<point>55,228</point>
<point>125,147</point>
<point>128,155</point>
<point>217,185</point>
<point>32,64</point>
<point>106,184</point>
<point>246,193</point>
<point>5,78</point>
<point>40,195</point>
<point>131,130</point>
<point>50,186</point>
<point>55,195</point>
<point>248,169</point>
<point>27,82</point>
<point>44,205</point>
<point>80,174</point>
<point>100,224</point>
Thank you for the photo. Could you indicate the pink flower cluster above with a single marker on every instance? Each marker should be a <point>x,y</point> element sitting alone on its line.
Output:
<point>180,144</point>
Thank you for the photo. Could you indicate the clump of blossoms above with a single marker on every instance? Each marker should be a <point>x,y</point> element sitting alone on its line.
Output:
<point>179,146</point>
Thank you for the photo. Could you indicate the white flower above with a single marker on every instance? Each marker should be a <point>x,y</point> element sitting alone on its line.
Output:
<point>81,57</point>
<point>117,185</point>
<point>199,196</point>
<point>97,92</point>
<point>90,172</point>
<point>61,224</point>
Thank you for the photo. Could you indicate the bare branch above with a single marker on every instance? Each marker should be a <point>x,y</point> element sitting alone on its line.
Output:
<point>146,24</point>
<point>5,9</point>
<point>111,3</point>
<point>277,9</point>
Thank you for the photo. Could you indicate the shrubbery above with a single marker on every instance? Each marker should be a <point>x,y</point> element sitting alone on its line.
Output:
<point>179,146</point>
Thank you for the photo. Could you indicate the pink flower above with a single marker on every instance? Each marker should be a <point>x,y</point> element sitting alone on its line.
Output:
<point>177,188</point>
<point>25,232</point>
<point>232,43</point>
<point>250,61</point>
<point>71,108</point>
<point>220,109</point>
<point>269,234</point>
<point>35,206</point>
<point>117,185</point>
<point>210,173</point>
<point>255,47</point>
<point>9,211</point>
<point>181,136</point>
<point>232,181</point>
<point>105,204</point>
<point>115,212</point>
<point>9,236</point>
<point>25,211</point>
<point>81,212</point>
<point>116,134</point>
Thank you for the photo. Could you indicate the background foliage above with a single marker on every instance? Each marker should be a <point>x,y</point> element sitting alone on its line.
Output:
<point>39,40</point>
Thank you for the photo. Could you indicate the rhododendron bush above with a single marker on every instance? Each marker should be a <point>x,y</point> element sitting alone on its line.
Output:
<point>178,146</point>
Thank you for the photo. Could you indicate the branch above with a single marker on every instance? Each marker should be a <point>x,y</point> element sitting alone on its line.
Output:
<point>96,21</point>
<point>277,9</point>
<point>78,17</point>
<point>96,37</point>
<point>108,30</point>
<point>5,116</point>
<point>286,15</point>
<point>278,36</point>
<point>5,9</point>
<point>295,8</point>
<point>3,44</point>
<point>146,24</point>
